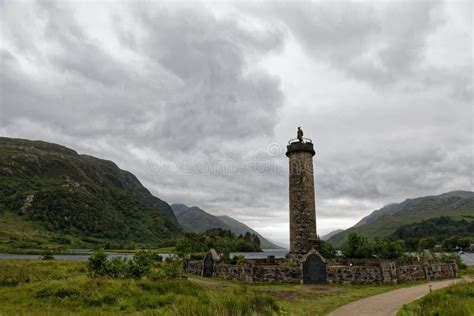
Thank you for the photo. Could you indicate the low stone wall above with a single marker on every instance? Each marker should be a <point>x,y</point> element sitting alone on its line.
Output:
<point>439,271</point>
<point>277,274</point>
<point>249,271</point>
<point>193,267</point>
<point>389,272</point>
<point>354,275</point>
<point>340,271</point>
<point>410,272</point>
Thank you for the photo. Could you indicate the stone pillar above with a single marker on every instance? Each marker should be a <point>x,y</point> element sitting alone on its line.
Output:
<point>302,202</point>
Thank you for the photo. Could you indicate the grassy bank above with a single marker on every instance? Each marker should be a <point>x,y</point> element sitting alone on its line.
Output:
<point>33,287</point>
<point>294,299</point>
<point>457,300</point>
<point>36,287</point>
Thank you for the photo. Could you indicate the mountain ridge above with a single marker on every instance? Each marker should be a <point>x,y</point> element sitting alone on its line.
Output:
<point>79,196</point>
<point>196,219</point>
<point>384,221</point>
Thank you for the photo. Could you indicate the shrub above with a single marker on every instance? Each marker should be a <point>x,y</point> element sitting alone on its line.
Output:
<point>237,259</point>
<point>171,268</point>
<point>326,249</point>
<point>137,267</point>
<point>117,268</point>
<point>97,262</point>
<point>357,246</point>
<point>140,265</point>
<point>444,257</point>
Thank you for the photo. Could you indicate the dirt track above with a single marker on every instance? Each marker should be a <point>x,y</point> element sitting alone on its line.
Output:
<point>387,304</point>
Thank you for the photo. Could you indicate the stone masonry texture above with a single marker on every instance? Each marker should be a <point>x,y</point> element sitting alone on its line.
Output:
<point>302,199</point>
<point>347,271</point>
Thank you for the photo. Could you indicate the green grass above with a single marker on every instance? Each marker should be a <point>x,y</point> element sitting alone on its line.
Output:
<point>23,236</point>
<point>295,299</point>
<point>34,287</point>
<point>469,271</point>
<point>457,300</point>
<point>37,287</point>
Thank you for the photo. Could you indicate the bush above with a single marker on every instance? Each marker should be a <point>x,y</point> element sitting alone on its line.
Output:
<point>357,246</point>
<point>237,259</point>
<point>118,268</point>
<point>137,267</point>
<point>386,249</point>
<point>97,262</point>
<point>326,249</point>
<point>171,268</point>
<point>197,255</point>
<point>140,265</point>
<point>444,257</point>
<point>223,241</point>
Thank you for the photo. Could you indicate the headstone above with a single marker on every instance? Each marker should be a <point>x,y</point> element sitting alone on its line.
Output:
<point>314,269</point>
<point>208,266</point>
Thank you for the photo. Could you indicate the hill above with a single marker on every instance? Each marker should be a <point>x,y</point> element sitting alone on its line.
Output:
<point>197,220</point>
<point>383,222</point>
<point>330,234</point>
<point>443,231</point>
<point>52,194</point>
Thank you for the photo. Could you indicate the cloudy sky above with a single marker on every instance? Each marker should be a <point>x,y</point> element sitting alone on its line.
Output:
<point>199,100</point>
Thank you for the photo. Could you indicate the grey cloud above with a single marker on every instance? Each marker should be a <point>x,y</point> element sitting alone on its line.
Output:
<point>382,44</point>
<point>187,85</point>
<point>200,81</point>
<point>379,44</point>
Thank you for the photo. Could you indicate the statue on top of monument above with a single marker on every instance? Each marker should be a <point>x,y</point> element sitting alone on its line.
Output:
<point>299,134</point>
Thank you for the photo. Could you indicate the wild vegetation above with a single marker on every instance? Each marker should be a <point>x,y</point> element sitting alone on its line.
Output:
<point>52,287</point>
<point>326,249</point>
<point>358,246</point>
<point>61,197</point>
<point>456,300</point>
<point>59,288</point>
<point>457,205</point>
<point>223,241</point>
<point>196,220</point>
<point>451,234</point>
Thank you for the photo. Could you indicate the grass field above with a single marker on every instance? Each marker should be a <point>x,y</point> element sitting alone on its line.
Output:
<point>457,300</point>
<point>36,287</point>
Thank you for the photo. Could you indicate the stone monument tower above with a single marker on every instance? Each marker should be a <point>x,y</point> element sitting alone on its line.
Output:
<point>303,237</point>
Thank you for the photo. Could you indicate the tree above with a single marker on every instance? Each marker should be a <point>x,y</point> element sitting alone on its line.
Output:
<point>427,243</point>
<point>326,249</point>
<point>357,246</point>
<point>386,249</point>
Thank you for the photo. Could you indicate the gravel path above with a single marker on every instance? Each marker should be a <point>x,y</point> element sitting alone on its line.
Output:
<point>388,304</point>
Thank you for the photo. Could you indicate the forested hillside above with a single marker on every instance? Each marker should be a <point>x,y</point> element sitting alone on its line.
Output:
<point>52,194</point>
<point>456,205</point>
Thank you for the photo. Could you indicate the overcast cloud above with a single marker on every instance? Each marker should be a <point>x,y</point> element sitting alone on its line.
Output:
<point>199,100</point>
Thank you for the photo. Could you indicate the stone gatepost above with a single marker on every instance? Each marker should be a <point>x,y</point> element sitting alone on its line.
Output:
<point>303,236</point>
<point>208,263</point>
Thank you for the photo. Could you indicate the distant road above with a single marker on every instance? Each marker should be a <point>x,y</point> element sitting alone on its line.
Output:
<point>388,304</point>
